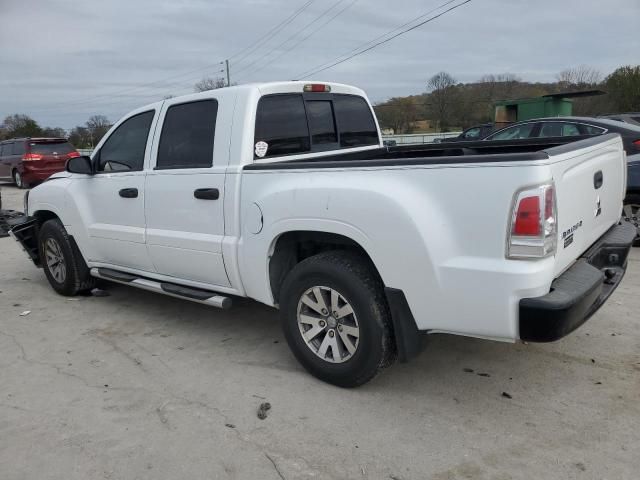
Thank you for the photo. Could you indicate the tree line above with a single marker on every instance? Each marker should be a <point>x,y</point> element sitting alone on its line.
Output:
<point>83,136</point>
<point>447,104</point>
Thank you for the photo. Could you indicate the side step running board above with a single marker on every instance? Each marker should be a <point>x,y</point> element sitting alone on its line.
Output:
<point>171,289</point>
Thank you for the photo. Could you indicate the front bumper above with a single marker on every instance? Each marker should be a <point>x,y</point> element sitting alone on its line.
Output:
<point>580,291</point>
<point>25,231</point>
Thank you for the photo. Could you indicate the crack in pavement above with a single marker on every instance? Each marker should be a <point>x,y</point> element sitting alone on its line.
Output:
<point>275,465</point>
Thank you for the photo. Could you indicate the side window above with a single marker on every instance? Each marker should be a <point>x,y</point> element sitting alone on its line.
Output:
<point>570,130</point>
<point>1,149</point>
<point>355,121</point>
<point>281,123</point>
<point>18,148</point>
<point>591,130</point>
<point>559,129</point>
<point>513,133</point>
<point>321,122</point>
<point>124,149</point>
<point>187,135</point>
<point>472,133</point>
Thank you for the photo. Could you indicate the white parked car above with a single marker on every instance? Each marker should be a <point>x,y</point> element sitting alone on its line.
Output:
<point>284,193</point>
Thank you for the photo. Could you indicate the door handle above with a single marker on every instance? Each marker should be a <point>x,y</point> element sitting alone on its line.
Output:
<point>128,193</point>
<point>207,193</point>
<point>598,179</point>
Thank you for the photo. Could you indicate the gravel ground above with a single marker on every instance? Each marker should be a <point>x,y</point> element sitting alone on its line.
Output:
<point>139,386</point>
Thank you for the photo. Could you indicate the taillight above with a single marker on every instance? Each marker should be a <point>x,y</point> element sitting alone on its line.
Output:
<point>316,87</point>
<point>636,143</point>
<point>73,154</point>
<point>31,156</point>
<point>533,231</point>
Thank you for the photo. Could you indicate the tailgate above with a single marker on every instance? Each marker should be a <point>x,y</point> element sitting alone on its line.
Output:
<point>590,182</point>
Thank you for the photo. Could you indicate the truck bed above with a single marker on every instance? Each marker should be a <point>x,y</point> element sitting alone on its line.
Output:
<point>444,153</point>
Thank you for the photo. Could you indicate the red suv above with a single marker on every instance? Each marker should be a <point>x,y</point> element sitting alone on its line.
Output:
<point>32,160</point>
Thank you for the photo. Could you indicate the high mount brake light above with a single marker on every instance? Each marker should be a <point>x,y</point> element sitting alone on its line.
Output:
<point>533,231</point>
<point>316,87</point>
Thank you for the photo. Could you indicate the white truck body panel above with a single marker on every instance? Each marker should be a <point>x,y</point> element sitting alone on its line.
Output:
<point>437,232</point>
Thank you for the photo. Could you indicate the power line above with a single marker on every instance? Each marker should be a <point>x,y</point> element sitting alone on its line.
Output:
<point>360,50</point>
<point>270,34</point>
<point>156,83</point>
<point>386,34</point>
<point>246,67</point>
<point>302,40</point>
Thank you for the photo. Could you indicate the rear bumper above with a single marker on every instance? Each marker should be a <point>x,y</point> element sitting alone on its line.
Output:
<point>580,291</point>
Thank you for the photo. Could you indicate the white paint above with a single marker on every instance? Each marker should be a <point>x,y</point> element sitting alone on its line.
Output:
<point>437,232</point>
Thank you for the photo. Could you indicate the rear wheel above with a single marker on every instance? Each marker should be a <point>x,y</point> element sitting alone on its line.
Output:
<point>336,319</point>
<point>18,180</point>
<point>631,213</point>
<point>63,264</point>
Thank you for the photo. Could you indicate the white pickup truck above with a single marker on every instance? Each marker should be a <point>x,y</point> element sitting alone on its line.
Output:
<point>284,193</point>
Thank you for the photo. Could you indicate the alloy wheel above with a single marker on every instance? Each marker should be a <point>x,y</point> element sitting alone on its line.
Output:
<point>328,324</point>
<point>55,260</point>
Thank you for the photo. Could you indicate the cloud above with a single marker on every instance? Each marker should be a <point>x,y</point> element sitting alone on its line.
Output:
<point>64,60</point>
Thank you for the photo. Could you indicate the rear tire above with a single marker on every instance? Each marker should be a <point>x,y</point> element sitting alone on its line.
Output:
<point>631,214</point>
<point>63,264</point>
<point>18,180</point>
<point>363,340</point>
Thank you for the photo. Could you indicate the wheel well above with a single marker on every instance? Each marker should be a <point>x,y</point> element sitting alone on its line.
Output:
<point>293,247</point>
<point>44,215</point>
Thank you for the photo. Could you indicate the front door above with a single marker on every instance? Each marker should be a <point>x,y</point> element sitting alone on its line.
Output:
<point>111,202</point>
<point>184,194</point>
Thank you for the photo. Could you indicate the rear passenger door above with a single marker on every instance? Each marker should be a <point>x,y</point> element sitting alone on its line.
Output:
<point>185,191</point>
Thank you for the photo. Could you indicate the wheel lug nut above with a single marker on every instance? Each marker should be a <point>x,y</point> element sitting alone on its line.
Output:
<point>322,323</point>
<point>325,311</point>
<point>339,328</point>
<point>331,333</point>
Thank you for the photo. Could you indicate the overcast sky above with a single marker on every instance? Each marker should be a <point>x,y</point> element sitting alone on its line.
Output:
<point>64,60</point>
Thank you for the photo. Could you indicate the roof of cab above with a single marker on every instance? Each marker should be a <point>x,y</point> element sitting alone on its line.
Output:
<point>267,88</point>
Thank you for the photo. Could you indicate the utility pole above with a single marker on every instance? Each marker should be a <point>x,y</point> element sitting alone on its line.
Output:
<point>228,75</point>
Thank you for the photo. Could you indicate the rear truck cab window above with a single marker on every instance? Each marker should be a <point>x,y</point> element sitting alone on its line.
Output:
<point>322,123</point>
<point>124,149</point>
<point>281,124</point>
<point>288,124</point>
<point>187,137</point>
<point>356,124</point>
<point>283,193</point>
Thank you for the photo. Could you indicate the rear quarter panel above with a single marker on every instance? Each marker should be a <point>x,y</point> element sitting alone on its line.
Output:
<point>437,233</point>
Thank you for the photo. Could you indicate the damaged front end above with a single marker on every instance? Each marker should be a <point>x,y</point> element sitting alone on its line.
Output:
<point>25,231</point>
